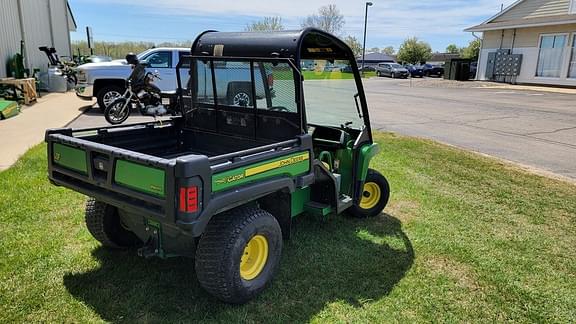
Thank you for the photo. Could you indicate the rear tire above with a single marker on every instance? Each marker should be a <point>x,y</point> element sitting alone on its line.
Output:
<point>375,196</point>
<point>114,113</point>
<point>103,222</point>
<point>239,253</point>
<point>378,74</point>
<point>393,75</point>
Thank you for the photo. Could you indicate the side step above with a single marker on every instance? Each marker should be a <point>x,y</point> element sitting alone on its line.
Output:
<point>317,208</point>
<point>313,207</point>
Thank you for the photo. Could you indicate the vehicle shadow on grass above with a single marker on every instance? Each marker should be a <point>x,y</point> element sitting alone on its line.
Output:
<point>339,260</point>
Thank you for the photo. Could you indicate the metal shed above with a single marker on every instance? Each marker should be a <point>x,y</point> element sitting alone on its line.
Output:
<point>37,23</point>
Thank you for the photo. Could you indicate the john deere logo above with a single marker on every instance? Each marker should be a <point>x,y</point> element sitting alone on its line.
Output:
<point>56,157</point>
<point>293,160</point>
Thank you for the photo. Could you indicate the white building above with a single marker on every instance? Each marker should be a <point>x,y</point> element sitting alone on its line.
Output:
<point>38,23</point>
<point>543,31</point>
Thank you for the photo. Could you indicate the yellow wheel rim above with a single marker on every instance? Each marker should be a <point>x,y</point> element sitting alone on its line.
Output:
<point>254,258</point>
<point>370,195</point>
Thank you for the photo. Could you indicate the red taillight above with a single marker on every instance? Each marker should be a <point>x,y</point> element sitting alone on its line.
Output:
<point>270,80</point>
<point>189,199</point>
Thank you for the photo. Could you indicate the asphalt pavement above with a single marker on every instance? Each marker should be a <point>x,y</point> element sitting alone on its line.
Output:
<point>532,128</point>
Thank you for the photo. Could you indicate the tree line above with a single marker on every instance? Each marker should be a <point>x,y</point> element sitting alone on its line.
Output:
<point>118,50</point>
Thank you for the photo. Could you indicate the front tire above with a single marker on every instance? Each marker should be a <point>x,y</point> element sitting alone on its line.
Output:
<point>108,94</point>
<point>375,196</point>
<point>118,111</point>
<point>238,255</point>
<point>103,222</point>
<point>239,95</point>
<point>378,74</point>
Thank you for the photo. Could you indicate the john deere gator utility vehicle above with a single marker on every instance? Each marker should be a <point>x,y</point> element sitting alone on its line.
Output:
<point>272,127</point>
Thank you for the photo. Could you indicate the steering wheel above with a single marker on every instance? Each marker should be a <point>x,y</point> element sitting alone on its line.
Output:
<point>279,108</point>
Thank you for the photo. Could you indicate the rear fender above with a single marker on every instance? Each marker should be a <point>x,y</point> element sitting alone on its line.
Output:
<point>234,198</point>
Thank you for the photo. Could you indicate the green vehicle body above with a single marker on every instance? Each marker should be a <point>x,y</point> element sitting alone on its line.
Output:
<point>173,178</point>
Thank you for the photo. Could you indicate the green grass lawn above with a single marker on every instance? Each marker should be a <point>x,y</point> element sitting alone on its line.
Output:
<point>464,239</point>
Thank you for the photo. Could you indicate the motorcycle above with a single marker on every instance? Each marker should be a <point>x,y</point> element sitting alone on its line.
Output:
<point>145,96</point>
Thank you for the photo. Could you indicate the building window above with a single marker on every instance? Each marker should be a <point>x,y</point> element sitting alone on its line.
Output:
<point>550,56</point>
<point>572,66</point>
<point>572,7</point>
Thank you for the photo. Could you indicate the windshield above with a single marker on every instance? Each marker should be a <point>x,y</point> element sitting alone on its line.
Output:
<point>329,90</point>
<point>144,54</point>
<point>396,65</point>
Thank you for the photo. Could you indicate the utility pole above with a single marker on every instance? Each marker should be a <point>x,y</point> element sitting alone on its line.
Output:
<point>368,4</point>
<point>90,39</point>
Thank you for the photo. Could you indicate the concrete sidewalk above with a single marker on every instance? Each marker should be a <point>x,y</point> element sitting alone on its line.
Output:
<point>20,133</point>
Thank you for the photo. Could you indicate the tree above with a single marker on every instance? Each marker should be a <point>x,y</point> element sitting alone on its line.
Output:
<point>354,45</point>
<point>472,51</point>
<point>328,19</point>
<point>414,51</point>
<point>452,49</point>
<point>267,24</point>
<point>120,49</point>
<point>374,50</point>
<point>388,50</point>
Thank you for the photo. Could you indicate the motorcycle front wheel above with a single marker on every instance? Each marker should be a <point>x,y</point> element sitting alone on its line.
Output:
<point>118,111</point>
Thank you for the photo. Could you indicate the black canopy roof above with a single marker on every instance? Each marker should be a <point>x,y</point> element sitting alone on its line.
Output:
<point>309,43</point>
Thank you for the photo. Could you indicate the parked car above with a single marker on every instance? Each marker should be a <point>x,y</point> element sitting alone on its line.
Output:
<point>106,80</point>
<point>393,70</point>
<point>433,70</point>
<point>346,69</point>
<point>415,70</point>
<point>367,68</point>
<point>234,87</point>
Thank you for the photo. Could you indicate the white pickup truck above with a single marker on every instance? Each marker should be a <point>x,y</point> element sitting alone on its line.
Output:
<point>106,80</point>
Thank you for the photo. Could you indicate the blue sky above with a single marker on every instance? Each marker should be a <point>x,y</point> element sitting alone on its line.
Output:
<point>439,22</point>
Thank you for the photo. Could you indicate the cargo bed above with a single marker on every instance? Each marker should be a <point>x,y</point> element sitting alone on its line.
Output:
<point>167,139</point>
<point>139,167</point>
